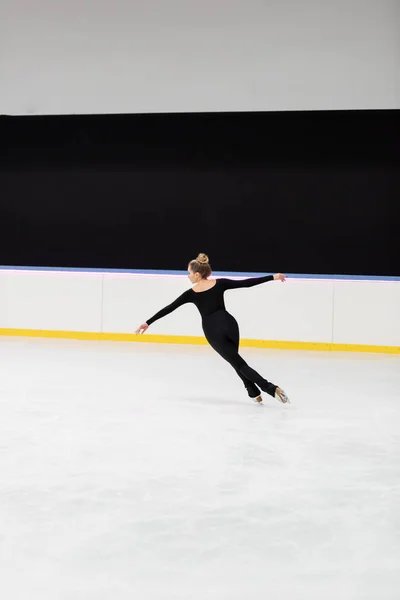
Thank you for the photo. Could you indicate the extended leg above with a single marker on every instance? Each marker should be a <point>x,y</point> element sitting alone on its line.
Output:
<point>252,390</point>
<point>233,336</point>
<point>227,349</point>
<point>222,333</point>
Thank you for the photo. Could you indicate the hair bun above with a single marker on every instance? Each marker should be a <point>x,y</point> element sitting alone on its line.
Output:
<point>202,259</point>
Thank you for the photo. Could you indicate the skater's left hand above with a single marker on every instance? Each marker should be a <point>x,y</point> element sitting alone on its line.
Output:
<point>279,277</point>
<point>142,328</point>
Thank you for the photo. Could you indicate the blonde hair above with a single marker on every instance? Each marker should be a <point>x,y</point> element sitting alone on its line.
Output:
<point>201,265</point>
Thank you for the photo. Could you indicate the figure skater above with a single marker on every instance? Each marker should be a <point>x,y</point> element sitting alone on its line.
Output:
<point>220,327</point>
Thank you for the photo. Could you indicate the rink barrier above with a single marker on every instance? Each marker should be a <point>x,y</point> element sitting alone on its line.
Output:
<point>321,312</point>
<point>196,340</point>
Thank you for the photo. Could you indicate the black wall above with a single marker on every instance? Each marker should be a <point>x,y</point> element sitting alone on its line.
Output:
<point>315,192</point>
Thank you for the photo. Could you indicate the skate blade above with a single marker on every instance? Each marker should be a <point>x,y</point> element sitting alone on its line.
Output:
<point>283,397</point>
<point>257,400</point>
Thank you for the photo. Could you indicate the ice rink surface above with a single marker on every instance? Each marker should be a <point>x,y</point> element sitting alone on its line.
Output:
<point>141,471</point>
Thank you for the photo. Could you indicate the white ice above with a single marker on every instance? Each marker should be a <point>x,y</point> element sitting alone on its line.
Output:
<point>137,471</point>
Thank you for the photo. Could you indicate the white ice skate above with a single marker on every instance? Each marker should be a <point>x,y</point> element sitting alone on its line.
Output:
<point>281,396</point>
<point>257,399</point>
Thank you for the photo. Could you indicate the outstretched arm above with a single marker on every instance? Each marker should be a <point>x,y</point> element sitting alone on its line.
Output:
<point>232,284</point>
<point>183,299</point>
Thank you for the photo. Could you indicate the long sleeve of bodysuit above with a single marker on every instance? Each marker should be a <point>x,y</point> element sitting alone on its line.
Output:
<point>232,284</point>
<point>183,299</point>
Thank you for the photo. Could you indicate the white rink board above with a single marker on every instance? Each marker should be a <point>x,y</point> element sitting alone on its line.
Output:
<point>299,310</point>
<point>67,301</point>
<point>368,312</point>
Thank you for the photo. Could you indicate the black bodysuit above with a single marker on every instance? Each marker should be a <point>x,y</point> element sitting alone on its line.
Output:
<point>221,328</point>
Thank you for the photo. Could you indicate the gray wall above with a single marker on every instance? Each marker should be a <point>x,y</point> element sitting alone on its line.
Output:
<point>98,56</point>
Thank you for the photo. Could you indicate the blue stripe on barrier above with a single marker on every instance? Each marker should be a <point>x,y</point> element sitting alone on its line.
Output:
<point>216,273</point>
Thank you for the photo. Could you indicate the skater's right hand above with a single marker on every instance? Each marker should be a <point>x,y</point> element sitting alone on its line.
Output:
<point>142,328</point>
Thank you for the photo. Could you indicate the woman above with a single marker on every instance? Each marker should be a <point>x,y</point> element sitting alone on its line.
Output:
<point>220,327</point>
